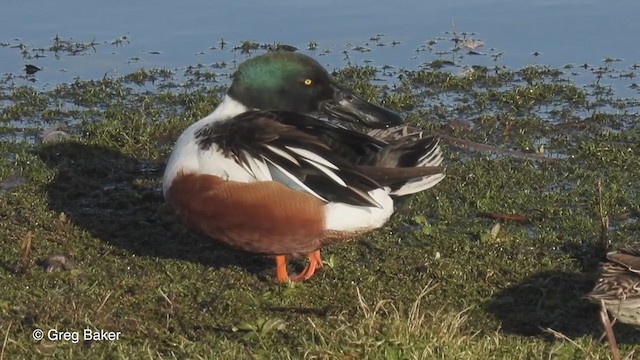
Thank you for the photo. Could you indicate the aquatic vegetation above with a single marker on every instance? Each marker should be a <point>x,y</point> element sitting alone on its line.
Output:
<point>441,280</point>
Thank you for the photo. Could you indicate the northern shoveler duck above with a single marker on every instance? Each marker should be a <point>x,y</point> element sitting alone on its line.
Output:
<point>261,174</point>
<point>619,285</point>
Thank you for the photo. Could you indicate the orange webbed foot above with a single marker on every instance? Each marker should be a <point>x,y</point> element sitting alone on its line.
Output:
<point>315,262</point>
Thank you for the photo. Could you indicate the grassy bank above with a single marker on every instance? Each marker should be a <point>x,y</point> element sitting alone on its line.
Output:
<point>442,280</point>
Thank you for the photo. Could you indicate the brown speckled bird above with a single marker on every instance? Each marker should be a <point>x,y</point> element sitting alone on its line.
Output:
<point>619,284</point>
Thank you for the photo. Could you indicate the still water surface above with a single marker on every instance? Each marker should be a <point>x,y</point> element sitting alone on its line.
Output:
<point>170,34</point>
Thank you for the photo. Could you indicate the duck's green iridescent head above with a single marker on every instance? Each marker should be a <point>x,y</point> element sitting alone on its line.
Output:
<point>292,81</point>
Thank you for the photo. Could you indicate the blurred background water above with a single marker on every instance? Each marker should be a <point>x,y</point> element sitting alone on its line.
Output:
<point>126,35</point>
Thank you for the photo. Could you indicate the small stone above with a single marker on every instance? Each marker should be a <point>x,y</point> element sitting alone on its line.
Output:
<point>11,182</point>
<point>54,136</point>
<point>59,262</point>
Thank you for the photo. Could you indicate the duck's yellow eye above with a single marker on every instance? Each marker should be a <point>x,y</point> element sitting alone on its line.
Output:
<point>308,82</point>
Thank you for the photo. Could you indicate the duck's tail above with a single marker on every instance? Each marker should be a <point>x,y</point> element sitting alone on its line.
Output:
<point>408,167</point>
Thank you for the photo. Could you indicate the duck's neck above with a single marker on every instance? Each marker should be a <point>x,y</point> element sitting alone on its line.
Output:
<point>228,108</point>
<point>185,152</point>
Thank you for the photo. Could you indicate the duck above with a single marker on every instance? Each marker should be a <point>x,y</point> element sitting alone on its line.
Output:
<point>618,287</point>
<point>273,171</point>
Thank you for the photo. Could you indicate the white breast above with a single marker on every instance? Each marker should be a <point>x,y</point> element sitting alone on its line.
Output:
<point>187,157</point>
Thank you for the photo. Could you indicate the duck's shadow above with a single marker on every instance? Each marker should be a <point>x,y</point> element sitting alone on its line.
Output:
<point>117,198</point>
<point>554,300</point>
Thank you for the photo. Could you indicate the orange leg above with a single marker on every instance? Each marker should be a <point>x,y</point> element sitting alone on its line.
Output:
<point>315,262</point>
<point>281,268</point>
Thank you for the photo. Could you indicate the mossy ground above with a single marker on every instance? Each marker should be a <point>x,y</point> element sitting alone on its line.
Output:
<point>435,282</point>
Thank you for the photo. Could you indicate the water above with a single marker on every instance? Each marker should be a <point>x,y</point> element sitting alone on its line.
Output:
<point>167,34</point>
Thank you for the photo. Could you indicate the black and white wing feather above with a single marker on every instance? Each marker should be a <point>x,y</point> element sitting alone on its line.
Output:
<point>290,148</point>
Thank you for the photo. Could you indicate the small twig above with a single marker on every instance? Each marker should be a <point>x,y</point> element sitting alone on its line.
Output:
<point>104,301</point>
<point>6,338</point>
<point>321,312</point>
<point>177,315</point>
<point>165,297</point>
<point>363,304</point>
<point>318,332</point>
<point>25,259</point>
<point>562,336</point>
<point>608,329</point>
<point>501,216</point>
<point>604,219</point>
<point>170,311</point>
<point>467,144</point>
